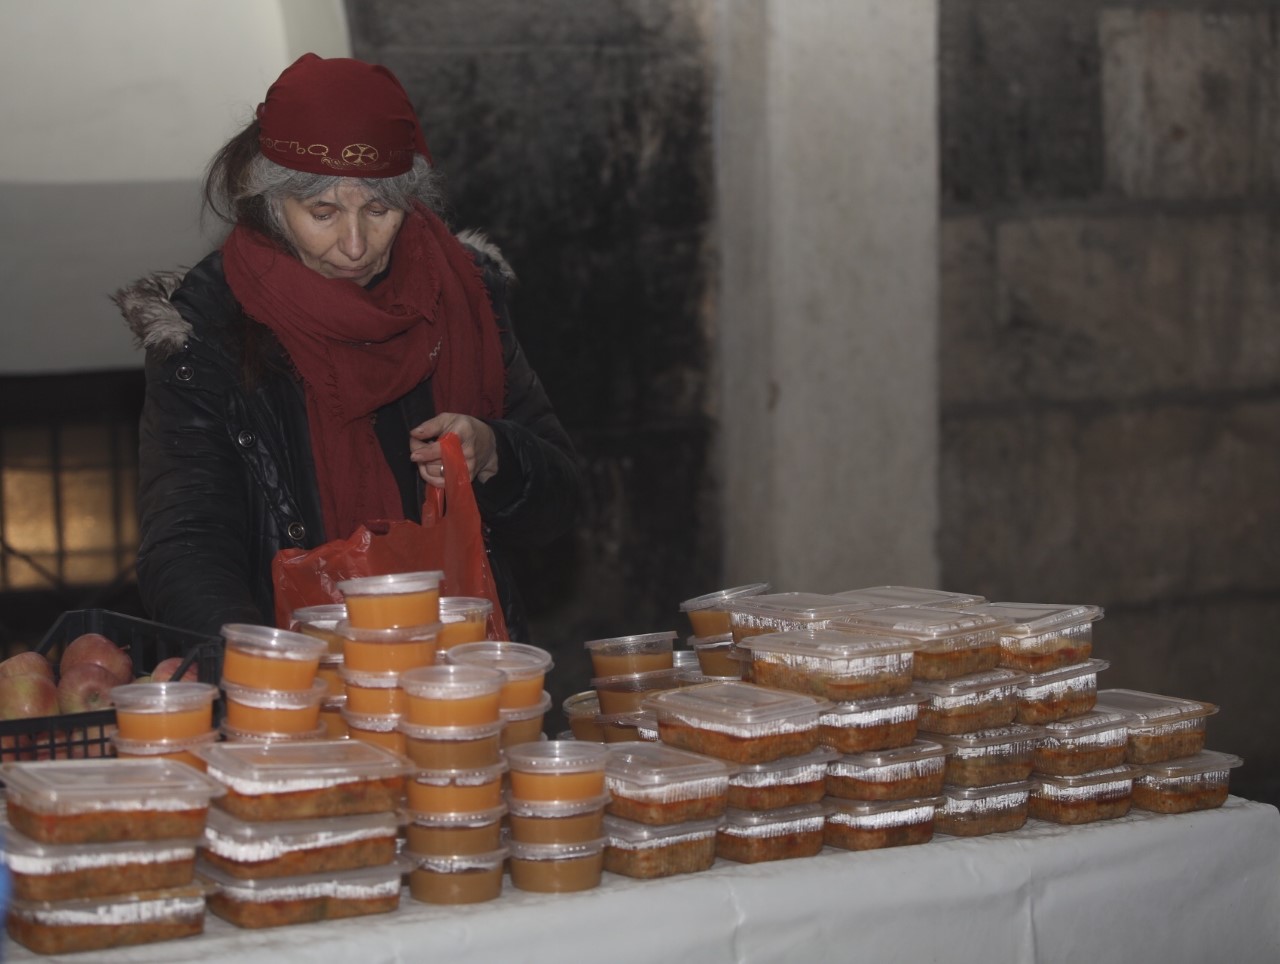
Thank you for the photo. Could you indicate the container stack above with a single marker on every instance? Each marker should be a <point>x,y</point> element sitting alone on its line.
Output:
<point>627,670</point>
<point>271,685</point>
<point>164,720</point>
<point>522,701</point>
<point>322,623</point>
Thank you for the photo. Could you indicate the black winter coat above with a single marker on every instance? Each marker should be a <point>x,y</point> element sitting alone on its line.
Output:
<point>226,475</point>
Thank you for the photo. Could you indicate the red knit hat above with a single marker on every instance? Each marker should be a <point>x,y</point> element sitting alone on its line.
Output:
<point>340,116</point>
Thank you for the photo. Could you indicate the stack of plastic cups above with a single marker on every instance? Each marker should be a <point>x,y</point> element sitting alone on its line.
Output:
<point>463,619</point>
<point>452,728</point>
<point>392,626</point>
<point>322,622</point>
<point>628,669</point>
<point>164,720</point>
<point>556,815</point>
<point>523,702</point>
<point>270,681</point>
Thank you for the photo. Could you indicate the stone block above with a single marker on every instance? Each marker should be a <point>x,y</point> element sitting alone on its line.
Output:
<point>1189,102</point>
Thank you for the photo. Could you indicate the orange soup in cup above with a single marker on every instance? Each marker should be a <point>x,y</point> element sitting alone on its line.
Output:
<point>151,712</point>
<point>465,619</point>
<point>266,658</point>
<point>456,791</point>
<point>452,695</point>
<point>525,667</point>
<point>274,711</point>
<point>391,602</point>
<point>388,650</point>
<point>319,621</point>
<point>557,770</point>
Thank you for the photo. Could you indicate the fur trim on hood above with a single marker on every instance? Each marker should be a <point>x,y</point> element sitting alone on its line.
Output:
<point>158,326</point>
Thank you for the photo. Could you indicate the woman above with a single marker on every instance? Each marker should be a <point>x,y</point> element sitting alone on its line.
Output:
<point>298,378</point>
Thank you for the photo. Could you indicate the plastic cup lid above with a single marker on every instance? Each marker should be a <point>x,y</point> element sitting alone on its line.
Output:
<point>517,660</point>
<point>397,634</point>
<point>327,612</point>
<point>513,714</point>
<point>274,643</point>
<point>646,643</point>
<point>713,599</point>
<point>395,583</point>
<point>277,699</point>
<point>451,681</point>
<point>558,756</point>
<point>457,609</point>
<point>162,697</point>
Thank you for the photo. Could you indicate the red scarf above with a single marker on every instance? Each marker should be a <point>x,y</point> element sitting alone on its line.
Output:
<point>357,349</point>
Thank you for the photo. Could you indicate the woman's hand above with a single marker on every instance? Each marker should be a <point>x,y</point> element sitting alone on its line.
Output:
<point>478,445</point>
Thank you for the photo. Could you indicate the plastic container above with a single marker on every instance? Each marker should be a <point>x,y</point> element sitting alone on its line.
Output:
<point>302,779</point>
<point>377,693</point>
<point>1059,693</point>
<point>330,670</point>
<point>101,922</point>
<point>1089,797</point>
<point>277,901</point>
<point>452,747</point>
<point>321,622</point>
<point>627,693</point>
<point>629,727</point>
<point>709,614</point>
<point>646,852</point>
<point>254,850</point>
<point>557,770</point>
<point>452,695</point>
<point>232,735</point>
<point>831,664</point>
<point>582,711</point>
<point>274,711</point>
<point>272,659</point>
<point>877,824</point>
<point>148,712</point>
<point>1160,727</point>
<point>464,619</point>
<point>1198,782</point>
<point>457,878</point>
<point>656,784</point>
<point>456,791</point>
<point>525,667</point>
<point>332,724</point>
<point>631,654</point>
<point>879,723</point>
<point>395,601</point>
<point>779,612</point>
<point>1093,741</point>
<point>379,729</point>
<point>395,650</point>
<point>895,597</point>
<point>447,834</point>
<point>949,643</point>
<point>556,868</point>
<point>979,701</point>
<point>556,821</point>
<point>99,801</point>
<point>524,724</point>
<point>979,811</point>
<point>737,721</point>
<point>180,751</point>
<point>684,659</point>
<point>713,655</point>
<point>753,836</point>
<point>903,773</point>
<point>787,782</point>
<point>1000,755</point>
<point>1041,637</point>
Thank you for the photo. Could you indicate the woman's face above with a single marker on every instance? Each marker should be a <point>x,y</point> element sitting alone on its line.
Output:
<point>343,232</point>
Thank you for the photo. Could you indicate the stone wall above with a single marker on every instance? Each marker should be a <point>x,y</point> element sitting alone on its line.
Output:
<point>1110,370</point>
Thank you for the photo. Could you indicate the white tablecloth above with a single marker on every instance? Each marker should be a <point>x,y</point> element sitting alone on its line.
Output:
<point>1198,887</point>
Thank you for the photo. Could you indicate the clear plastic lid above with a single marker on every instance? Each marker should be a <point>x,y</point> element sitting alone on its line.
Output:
<point>1150,709</point>
<point>515,714</point>
<point>827,644</point>
<point>874,704</point>
<point>733,817</point>
<point>931,627</point>
<point>354,884</point>
<point>656,764</point>
<point>891,597</point>
<point>451,681</point>
<point>372,722</point>
<point>142,907</point>
<point>911,753</point>
<point>624,832</point>
<point>820,756</point>
<point>87,786</point>
<point>718,599</point>
<point>461,776</point>
<point>297,833</point>
<point>1091,779</point>
<point>518,660</point>
<point>655,679</point>
<point>973,683</point>
<point>555,809</point>
<point>235,735</point>
<point>397,582</point>
<point>1037,619</point>
<point>481,731</point>
<point>1012,735</point>
<point>1090,667</point>
<point>397,634</point>
<point>586,703</point>
<point>870,808</point>
<point>798,607</point>
<point>464,609</point>
<point>273,643</point>
<point>338,761</point>
<point>1206,761</point>
<point>159,747</point>
<point>557,756</point>
<point>709,642</point>
<point>277,699</point>
<point>735,704</point>
<point>1022,787</point>
<point>326,614</point>
<point>556,851</point>
<point>163,697</point>
<point>645,643</point>
<point>473,818</point>
<point>1096,721</point>
<point>366,679</point>
<point>458,863</point>
<point>684,658</point>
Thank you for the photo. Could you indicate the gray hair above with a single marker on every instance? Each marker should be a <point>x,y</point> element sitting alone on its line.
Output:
<point>274,183</point>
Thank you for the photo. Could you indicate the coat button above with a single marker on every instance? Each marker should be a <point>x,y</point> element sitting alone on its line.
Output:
<point>246,438</point>
<point>296,531</point>
<point>184,373</point>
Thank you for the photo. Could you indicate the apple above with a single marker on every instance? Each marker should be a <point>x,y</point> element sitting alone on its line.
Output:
<point>97,649</point>
<point>84,687</point>
<point>165,669</point>
<point>22,697</point>
<point>27,664</point>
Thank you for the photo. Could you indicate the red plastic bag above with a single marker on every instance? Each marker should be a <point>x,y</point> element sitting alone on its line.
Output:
<point>449,539</point>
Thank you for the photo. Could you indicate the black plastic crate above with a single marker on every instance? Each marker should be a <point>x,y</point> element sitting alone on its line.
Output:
<point>77,735</point>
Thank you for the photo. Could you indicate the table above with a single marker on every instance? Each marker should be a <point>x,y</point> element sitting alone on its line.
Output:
<point>1194,887</point>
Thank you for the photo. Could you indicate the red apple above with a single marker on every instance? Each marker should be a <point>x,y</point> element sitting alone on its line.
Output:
<point>26,696</point>
<point>84,687</point>
<point>97,649</point>
<point>27,664</point>
<point>165,669</point>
